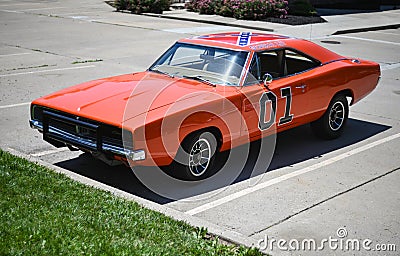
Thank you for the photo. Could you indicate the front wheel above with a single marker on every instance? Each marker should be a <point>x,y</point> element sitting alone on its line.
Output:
<point>195,159</point>
<point>331,124</point>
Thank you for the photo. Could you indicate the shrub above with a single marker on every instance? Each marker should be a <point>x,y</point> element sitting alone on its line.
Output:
<point>207,6</point>
<point>191,6</point>
<point>121,4</point>
<point>302,8</point>
<point>204,6</point>
<point>141,6</point>
<point>258,9</point>
<point>241,9</point>
<point>225,10</point>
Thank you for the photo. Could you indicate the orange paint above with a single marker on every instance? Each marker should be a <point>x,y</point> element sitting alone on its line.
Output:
<point>161,119</point>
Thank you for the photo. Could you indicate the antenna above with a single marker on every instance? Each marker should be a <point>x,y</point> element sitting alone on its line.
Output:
<point>310,30</point>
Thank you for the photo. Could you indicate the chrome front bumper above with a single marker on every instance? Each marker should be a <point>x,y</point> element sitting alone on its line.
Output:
<point>53,133</point>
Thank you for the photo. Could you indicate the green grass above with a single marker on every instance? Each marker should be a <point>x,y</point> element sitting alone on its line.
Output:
<point>86,61</point>
<point>31,67</point>
<point>46,213</point>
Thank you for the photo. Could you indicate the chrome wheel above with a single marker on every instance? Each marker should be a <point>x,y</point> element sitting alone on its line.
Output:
<point>199,157</point>
<point>332,123</point>
<point>336,116</point>
<point>195,159</point>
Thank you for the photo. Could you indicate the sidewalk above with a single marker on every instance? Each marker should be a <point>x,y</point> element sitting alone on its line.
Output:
<point>336,24</point>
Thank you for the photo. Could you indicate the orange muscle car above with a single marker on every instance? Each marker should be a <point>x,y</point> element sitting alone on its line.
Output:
<point>205,95</point>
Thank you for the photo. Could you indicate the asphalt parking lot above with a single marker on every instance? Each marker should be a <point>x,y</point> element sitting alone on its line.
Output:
<point>312,188</point>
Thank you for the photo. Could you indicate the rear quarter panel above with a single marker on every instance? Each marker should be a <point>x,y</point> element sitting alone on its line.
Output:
<point>326,81</point>
<point>363,78</point>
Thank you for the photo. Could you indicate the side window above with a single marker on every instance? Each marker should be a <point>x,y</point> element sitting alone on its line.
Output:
<point>296,62</point>
<point>265,62</point>
<point>271,62</point>
<point>278,63</point>
<point>281,63</point>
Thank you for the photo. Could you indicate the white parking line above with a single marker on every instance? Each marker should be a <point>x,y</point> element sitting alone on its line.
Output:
<point>274,181</point>
<point>369,40</point>
<point>49,152</point>
<point>39,9</point>
<point>2,5</point>
<point>11,11</point>
<point>15,105</point>
<point>14,54</point>
<point>48,70</point>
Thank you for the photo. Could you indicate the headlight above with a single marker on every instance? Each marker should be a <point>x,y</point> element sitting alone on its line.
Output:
<point>36,113</point>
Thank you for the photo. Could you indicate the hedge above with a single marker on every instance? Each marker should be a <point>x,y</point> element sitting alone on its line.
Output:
<point>142,6</point>
<point>241,9</point>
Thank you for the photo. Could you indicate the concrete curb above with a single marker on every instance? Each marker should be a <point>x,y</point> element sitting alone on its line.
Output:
<point>220,23</point>
<point>356,30</point>
<point>255,27</point>
<point>222,233</point>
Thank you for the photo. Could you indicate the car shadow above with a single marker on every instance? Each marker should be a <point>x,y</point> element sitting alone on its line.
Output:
<point>300,144</point>
<point>292,147</point>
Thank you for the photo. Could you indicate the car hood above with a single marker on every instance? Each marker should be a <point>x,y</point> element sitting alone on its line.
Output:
<point>106,99</point>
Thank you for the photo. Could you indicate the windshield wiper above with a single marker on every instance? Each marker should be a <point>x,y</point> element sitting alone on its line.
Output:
<point>201,79</point>
<point>162,72</point>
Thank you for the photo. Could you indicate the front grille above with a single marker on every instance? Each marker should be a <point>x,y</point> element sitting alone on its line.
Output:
<point>72,128</point>
<point>83,133</point>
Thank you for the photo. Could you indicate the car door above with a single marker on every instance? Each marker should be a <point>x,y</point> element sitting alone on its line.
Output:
<point>279,104</point>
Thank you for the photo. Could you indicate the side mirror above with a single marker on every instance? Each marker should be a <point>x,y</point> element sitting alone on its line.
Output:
<point>267,78</point>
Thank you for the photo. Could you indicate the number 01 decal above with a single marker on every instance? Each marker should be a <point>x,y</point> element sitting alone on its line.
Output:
<point>271,97</point>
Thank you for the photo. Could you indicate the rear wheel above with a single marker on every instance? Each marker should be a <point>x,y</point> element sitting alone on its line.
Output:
<point>196,156</point>
<point>331,124</point>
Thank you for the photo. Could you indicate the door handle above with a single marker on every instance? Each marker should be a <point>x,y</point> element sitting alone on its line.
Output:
<point>301,86</point>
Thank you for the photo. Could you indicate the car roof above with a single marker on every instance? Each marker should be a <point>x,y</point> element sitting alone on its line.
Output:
<point>235,39</point>
<point>254,41</point>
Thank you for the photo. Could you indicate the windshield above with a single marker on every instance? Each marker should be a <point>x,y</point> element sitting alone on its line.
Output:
<point>203,63</point>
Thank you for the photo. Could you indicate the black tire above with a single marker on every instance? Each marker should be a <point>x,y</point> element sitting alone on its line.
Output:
<point>331,124</point>
<point>195,159</point>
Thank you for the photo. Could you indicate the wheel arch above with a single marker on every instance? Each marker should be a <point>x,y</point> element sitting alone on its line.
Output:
<point>206,122</point>
<point>348,93</point>
<point>212,129</point>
